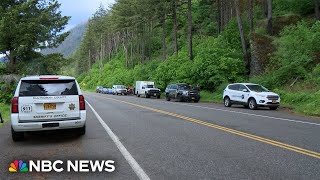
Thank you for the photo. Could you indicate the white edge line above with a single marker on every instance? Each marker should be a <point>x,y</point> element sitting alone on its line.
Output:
<point>132,162</point>
<point>257,115</point>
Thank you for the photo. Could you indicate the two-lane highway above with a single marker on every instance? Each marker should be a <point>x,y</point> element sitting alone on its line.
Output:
<point>150,138</point>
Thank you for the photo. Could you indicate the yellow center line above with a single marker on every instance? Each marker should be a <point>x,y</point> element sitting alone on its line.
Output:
<point>229,130</point>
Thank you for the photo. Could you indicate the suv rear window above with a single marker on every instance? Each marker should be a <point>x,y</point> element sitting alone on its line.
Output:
<point>48,88</point>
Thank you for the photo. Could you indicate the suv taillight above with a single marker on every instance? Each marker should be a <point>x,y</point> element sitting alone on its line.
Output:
<point>82,103</point>
<point>14,105</point>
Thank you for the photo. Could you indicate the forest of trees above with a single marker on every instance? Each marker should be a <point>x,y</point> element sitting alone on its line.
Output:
<point>204,42</point>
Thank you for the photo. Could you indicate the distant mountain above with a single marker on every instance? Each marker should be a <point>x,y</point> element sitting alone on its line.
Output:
<point>71,43</point>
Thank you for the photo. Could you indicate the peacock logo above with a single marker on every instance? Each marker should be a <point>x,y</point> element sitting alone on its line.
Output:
<point>18,166</point>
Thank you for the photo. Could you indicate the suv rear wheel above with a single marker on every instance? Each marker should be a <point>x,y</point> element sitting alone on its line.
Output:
<point>17,136</point>
<point>81,131</point>
<point>167,97</point>
<point>252,104</point>
<point>227,102</point>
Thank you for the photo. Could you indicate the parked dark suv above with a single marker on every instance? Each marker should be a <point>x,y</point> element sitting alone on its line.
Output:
<point>182,92</point>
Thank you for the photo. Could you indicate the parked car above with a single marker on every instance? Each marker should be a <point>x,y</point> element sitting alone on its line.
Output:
<point>98,89</point>
<point>250,95</point>
<point>119,89</point>
<point>182,92</point>
<point>106,90</point>
<point>147,89</point>
<point>47,103</point>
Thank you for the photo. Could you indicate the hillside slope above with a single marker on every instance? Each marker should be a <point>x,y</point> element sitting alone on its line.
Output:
<point>72,42</point>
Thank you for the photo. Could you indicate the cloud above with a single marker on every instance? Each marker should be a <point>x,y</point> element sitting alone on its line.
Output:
<point>81,10</point>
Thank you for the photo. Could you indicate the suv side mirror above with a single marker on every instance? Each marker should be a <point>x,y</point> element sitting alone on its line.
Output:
<point>245,90</point>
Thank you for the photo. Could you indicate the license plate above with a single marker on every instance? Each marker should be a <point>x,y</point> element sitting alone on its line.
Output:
<point>49,125</point>
<point>193,98</point>
<point>155,94</point>
<point>274,101</point>
<point>49,106</point>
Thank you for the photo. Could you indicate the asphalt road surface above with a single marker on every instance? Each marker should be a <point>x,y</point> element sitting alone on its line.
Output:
<point>156,139</point>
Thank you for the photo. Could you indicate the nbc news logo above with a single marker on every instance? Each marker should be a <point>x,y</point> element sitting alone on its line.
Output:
<point>18,166</point>
<point>57,166</point>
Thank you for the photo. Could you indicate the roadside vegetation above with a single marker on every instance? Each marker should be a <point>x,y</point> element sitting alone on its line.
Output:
<point>5,112</point>
<point>22,35</point>
<point>283,47</point>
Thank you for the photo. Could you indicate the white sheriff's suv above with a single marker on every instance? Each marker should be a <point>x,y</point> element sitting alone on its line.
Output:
<point>47,103</point>
<point>250,95</point>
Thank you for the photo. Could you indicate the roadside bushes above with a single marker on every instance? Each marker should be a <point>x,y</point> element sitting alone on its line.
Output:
<point>176,69</point>
<point>303,102</point>
<point>217,63</point>
<point>295,55</point>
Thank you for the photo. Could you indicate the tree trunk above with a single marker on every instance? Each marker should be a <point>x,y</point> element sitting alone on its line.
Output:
<point>219,16</point>
<point>142,46</point>
<point>12,63</point>
<point>125,48</point>
<point>149,39</point>
<point>175,26</point>
<point>164,47</point>
<point>101,56</point>
<point>317,9</point>
<point>269,26</point>
<point>265,8</point>
<point>190,29</point>
<point>131,51</point>
<point>251,15</point>
<point>243,39</point>
<point>89,61</point>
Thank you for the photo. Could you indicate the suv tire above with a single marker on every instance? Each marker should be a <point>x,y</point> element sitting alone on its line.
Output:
<point>81,131</point>
<point>17,136</point>
<point>167,97</point>
<point>252,104</point>
<point>227,102</point>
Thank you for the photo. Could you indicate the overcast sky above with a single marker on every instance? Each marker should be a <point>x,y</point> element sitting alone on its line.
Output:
<point>81,10</point>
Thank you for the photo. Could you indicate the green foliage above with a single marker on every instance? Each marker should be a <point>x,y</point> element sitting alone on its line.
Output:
<point>231,34</point>
<point>216,62</point>
<point>204,15</point>
<point>303,102</point>
<point>291,61</point>
<point>176,69</point>
<point>28,25</point>
<point>302,7</point>
<point>5,112</point>
<point>7,92</point>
